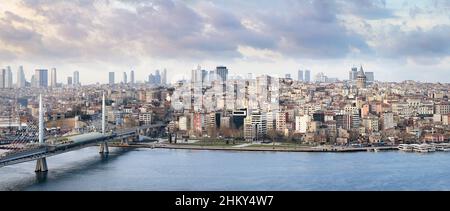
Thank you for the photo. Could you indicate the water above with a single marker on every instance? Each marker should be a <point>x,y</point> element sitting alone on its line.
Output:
<point>163,169</point>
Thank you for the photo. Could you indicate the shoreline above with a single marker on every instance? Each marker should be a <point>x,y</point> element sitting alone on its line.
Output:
<point>259,149</point>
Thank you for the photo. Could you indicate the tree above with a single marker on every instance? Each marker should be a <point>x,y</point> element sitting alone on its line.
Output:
<point>273,135</point>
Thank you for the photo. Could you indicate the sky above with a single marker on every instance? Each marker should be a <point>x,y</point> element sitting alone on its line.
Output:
<point>397,39</point>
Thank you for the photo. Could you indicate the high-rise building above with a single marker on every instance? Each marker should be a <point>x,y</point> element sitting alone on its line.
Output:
<point>196,75</point>
<point>125,80</point>
<point>76,78</point>
<point>222,71</point>
<point>132,77</point>
<point>205,75</point>
<point>8,78</point>
<point>151,78</point>
<point>20,78</point>
<point>41,78</point>
<point>157,77</point>
<point>307,76</point>
<point>53,77</point>
<point>69,81</point>
<point>211,75</point>
<point>300,75</point>
<point>288,76</point>
<point>111,78</point>
<point>352,75</point>
<point>2,78</point>
<point>33,82</point>
<point>164,77</point>
<point>370,77</point>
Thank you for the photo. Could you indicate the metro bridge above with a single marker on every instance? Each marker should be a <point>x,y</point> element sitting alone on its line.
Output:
<point>41,150</point>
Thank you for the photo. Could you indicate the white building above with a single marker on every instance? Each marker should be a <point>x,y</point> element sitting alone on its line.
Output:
<point>301,123</point>
<point>388,120</point>
<point>183,123</point>
<point>145,118</point>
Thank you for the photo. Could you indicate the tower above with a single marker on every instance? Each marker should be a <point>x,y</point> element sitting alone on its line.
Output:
<point>132,77</point>
<point>222,71</point>
<point>76,78</point>
<point>164,77</point>
<point>53,78</point>
<point>111,78</point>
<point>307,76</point>
<point>300,75</point>
<point>20,77</point>
<point>104,146</point>
<point>361,79</point>
<point>352,75</point>
<point>41,163</point>
<point>41,78</point>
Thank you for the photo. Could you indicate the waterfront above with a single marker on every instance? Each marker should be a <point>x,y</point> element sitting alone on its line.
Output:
<point>165,169</point>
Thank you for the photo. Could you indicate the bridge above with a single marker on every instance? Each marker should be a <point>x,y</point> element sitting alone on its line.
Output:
<point>40,151</point>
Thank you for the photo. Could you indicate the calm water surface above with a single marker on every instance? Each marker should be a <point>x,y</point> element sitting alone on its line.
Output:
<point>163,169</point>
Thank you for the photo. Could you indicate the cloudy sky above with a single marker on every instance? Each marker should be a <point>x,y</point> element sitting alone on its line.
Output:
<point>396,39</point>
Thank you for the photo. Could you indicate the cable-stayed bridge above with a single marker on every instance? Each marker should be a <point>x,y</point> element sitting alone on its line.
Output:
<point>30,144</point>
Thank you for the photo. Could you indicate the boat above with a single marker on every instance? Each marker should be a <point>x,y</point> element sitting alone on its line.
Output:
<point>424,148</point>
<point>406,147</point>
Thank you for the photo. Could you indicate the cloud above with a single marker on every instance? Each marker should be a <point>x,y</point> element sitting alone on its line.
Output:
<point>120,31</point>
<point>423,46</point>
<point>368,9</point>
<point>313,30</point>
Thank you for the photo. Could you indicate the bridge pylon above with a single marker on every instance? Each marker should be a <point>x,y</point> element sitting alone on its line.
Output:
<point>41,163</point>
<point>104,146</point>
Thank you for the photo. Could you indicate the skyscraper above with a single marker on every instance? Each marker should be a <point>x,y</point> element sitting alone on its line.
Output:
<point>370,77</point>
<point>69,81</point>
<point>157,77</point>
<point>222,71</point>
<point>205,75</point>
<point>8,78</point>
<point>76,78</point>
<point>196,75</point>
<point>20,78</point>
<point>151,78</point>
<point>164,77</point>
<point>33,81</point>
<point>111,78</point>
<point>132,77</point>
<point>307,76</point>
<point>125,79</point>
<point>41,78</point>
<point>352,75</point>
<point>2,78</point>
<point>300,75</point>
<point>53,78</point>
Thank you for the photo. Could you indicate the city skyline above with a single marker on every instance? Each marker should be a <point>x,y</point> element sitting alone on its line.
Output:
<point>399,40</point>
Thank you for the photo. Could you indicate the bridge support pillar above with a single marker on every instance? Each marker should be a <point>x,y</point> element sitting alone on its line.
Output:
<point>104,147</point>
<point>41,165</point>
